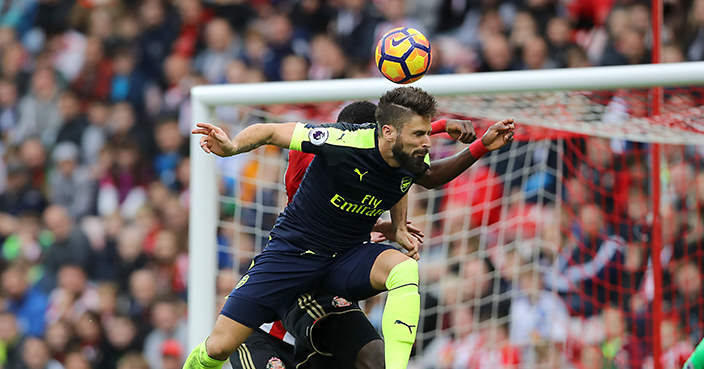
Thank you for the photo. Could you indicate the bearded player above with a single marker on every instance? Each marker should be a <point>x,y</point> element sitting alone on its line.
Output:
<point>321,238</point>
<point>271,345</point>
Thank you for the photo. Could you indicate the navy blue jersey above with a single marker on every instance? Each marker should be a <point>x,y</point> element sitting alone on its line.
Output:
<point>345,189</point>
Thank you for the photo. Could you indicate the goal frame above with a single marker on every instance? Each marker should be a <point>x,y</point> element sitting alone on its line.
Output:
<point>203,214</point>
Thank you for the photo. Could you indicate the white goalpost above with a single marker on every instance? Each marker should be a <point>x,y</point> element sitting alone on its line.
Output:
<point>555,103</point>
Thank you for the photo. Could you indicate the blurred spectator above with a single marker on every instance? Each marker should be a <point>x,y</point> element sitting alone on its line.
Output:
<point>76,360</point>
<point>496,350</point>
<point>559,37</point>
<point>131,255</point>
<point>71,184</point>
<point>128,83</point>
<point>108,296</point>
<point>19,196</point>
<point>28,304</point>
<point>70,246</point>
<point>222,45</point>
<point>497,55</point>
<point>89,334</point>
<point>675,347</point>
<point>25,245</point>
<point>537,313</point>
<point>311,15</point>
<point>169,332</point>
<point>93,82</point>
<point>9,110</point>
<point>126,126</point>
<point>158,32</point>
<point>52,16</point>
<point>39,109</point>
<point>620,348</point>
<point>66,53</point>
<point>459,349</point>
<point>121,339</point>
<point>58,337</point>
<point>535,54</point>
<point>354,26</point>
<point>177,70</point>
<point>453,14</point>
<point>525,28</point>
<point>630,49</point>
<point>282,41</point>
<point>34,156</point>
<point>132,361</point>
<point>35,355</point>
<point>171,264</point>
<point>294,68</point>
<point>395,14</point>
<point>590,357</point>
<point>590,269</point>
<point>12,341</point>
<point>14,58</point>
<point>123,188</point>
<point>194,18</point>
<point>689,283</point>
<point>96,134</point>
<point>74,122</point>
<point>73,297</point>
<point>171,146</point>
<point>171,354</point>
<point>695,32</point>
<point>143,293</point>
<point>327,59</point>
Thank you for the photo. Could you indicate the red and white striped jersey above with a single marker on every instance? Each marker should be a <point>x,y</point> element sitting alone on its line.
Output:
<point>277,330</point>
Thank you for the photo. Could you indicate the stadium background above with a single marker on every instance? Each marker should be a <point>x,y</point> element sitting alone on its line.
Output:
<point>94,116</point>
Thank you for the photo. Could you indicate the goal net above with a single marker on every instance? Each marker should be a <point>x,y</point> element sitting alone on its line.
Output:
<point>545,254</point>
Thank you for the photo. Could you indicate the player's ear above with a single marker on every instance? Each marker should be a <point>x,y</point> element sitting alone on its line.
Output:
<point>389,132</point>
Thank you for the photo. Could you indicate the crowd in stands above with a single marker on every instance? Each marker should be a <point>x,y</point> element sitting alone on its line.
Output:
<point>94,176</point>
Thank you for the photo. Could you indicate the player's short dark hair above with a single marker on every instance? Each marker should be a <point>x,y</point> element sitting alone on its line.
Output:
<point>397,106</point>
<point>358,112</point>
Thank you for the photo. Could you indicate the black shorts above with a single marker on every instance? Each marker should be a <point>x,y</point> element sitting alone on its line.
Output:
<point>263,351</point>
<point>283,272</point>
<point>329,331</point>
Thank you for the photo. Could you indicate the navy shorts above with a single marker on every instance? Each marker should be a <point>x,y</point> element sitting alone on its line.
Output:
<point>283,272</point>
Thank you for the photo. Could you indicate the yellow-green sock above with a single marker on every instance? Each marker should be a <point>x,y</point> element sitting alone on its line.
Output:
<point>199,359</point>
<point>401,311</point>
<point>696,361</point>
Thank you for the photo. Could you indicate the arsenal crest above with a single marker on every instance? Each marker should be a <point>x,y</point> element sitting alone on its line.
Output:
<point>275,363</point>
<point>338,301</point>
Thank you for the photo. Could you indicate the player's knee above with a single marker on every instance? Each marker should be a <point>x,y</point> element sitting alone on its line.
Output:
<point>403,273</point>
<point>220,347</point>
<point>371,356</point>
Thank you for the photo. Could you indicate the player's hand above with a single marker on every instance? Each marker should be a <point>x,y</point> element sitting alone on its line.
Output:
<point>384,231</point>
<point>409,242</point>
<point>499,134</point>
<point>461,130</point>
<point>214,140</point>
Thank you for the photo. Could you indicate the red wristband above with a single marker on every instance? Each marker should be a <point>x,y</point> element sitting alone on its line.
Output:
<point>438,126</point>
<point>477,149</point>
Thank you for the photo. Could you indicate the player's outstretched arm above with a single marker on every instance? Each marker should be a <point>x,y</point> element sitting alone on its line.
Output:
<point>444,170</point>
<point>457,129</point>
<point>216,141</point>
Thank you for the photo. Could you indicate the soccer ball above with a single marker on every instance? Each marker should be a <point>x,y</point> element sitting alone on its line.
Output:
<point>403,55</point>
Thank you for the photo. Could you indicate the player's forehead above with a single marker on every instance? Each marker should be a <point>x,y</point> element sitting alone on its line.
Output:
<point>417,123</point>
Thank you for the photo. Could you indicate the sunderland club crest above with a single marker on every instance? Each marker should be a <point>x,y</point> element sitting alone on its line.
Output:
<point>338,301</point>
<point>275,363</point>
